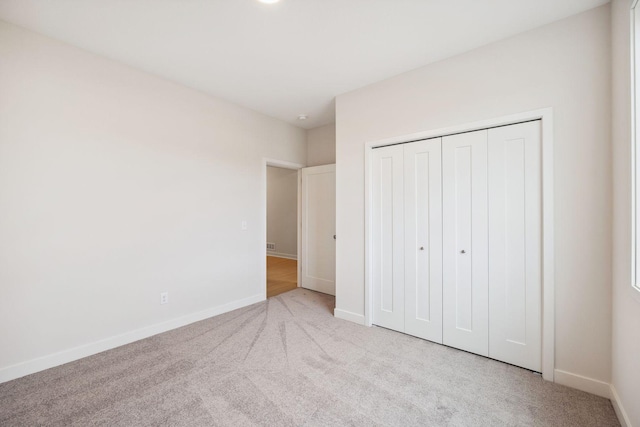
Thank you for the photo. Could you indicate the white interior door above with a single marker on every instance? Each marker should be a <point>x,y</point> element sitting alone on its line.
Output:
<point>515,230</point>
<point>387,271</point>
<point>318,270</point>
<point>423,239</point>
<point>465,230</point>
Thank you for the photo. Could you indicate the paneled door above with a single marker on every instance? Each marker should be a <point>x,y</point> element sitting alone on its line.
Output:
<point>318,270</point>
<point>456,244</point>
<point>423,239</point>
<point>515,230</point>
<point>387,272</point>
<point>465,235</point>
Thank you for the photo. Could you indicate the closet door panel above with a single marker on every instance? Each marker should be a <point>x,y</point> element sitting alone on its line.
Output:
<point>465,229</point>
<point>423,239</point>
<point>515,209</point>
<point>387,172</point>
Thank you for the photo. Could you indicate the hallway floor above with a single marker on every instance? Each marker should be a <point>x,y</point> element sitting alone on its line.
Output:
<point>282,275</point>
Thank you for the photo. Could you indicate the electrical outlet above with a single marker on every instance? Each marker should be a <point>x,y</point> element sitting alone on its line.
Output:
<point>243,225</point>
<point>164,297</point>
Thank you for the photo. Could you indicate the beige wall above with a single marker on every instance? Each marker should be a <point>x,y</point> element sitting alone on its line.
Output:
<point>626,301</point>
<point>564,65</point>
<point>321,145</point>
<point>115,186</point>
<point>282,211</point>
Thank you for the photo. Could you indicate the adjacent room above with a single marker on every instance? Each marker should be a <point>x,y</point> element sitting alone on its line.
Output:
<point>282,230</point>
<point>319,212</point>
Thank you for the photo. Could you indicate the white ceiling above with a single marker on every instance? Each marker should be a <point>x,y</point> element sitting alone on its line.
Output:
<point>285,59</point>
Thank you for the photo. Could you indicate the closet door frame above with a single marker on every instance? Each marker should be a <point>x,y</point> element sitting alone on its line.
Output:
<point>545,115</point>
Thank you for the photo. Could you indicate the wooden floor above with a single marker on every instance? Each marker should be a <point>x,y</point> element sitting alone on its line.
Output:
<point>282,275</point>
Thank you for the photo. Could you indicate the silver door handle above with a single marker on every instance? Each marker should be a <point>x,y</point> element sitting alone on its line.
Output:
<point>422,248</point>
<point>334,237</point>
<point>463,251</point>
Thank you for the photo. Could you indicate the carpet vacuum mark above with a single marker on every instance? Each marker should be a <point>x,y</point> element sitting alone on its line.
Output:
<point>289,362</point>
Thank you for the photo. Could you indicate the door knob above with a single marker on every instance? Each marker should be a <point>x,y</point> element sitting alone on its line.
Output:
<point>463,251</point>
<point>334,237</point>
<point>422,248</point>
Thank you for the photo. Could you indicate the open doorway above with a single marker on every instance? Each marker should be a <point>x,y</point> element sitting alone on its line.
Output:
<point>282,230</point>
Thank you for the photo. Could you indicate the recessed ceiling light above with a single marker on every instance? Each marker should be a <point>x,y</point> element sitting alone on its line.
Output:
<point>269,1</point>
<point>302,117</point>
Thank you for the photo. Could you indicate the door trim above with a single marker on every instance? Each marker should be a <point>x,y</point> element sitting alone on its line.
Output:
<point>263,217</point>
<point>548,258</point>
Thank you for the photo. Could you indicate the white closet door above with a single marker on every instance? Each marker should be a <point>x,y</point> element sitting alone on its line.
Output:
<point>388,237</point>
<point>515,283</point>
<point>318,228</point>
<point>423,239</point>
<point>465,229</point>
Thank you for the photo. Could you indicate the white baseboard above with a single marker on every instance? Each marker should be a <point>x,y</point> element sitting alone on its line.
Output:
<point>281,255</point>
<point>347,315</point>
<point>617,406</point>
<point>590,385</point>
<point>40,364</point>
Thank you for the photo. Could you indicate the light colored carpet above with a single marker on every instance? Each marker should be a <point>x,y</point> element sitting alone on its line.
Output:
<point>289,362</point>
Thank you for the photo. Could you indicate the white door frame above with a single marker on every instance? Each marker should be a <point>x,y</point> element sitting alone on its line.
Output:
<point>263,216</point>
<point>548,267</point>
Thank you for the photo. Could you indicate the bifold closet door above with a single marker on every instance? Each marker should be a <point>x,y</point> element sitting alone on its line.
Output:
<point>465,242</point>
<point>423,239</point>
<point>387,233</point>
<point>456,241</point>
<point>515,230</point>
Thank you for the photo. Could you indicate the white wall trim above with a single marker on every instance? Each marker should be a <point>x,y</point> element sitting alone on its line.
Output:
<point>347,315</point>
<point>579,382</point>
<point>299,229</point>
<point>56,359</point>
<point>634,154</point>
<point>281,255</point>
<point>548,250</point>
<point>617,406</point>
<point>548,257</point>
<point>634,158</point>
<point>263,214</point>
